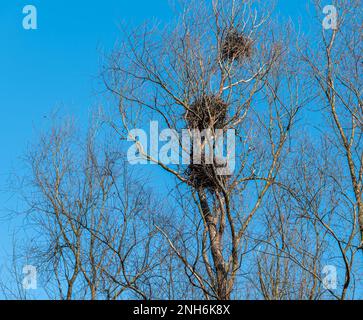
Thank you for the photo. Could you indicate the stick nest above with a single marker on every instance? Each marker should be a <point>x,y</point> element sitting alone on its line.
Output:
<point>236,46</point>
<point>205,176</point>
<point>207,112</point>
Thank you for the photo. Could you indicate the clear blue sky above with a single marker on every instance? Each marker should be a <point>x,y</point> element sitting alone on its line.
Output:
<point>56,65</point>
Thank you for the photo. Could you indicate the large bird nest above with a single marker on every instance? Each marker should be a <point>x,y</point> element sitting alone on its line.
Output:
<point>205,176</point>
<point>207,112</point>
<point>236,46</point>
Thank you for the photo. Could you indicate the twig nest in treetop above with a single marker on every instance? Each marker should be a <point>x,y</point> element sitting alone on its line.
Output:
<point>207,112</point>
<point>236,46</point>
<point>205,176</point>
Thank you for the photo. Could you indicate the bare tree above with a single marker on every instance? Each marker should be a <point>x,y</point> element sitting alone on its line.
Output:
<point>263,226</point>
<point>310,226</point>
<point>94,238</point>
<point>336,66</point>
<point>221,66</point>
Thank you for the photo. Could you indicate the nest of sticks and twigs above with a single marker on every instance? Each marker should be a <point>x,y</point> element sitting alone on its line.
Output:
<point>205,176</point>
<point>236,46</point>
<point>206,112</point>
